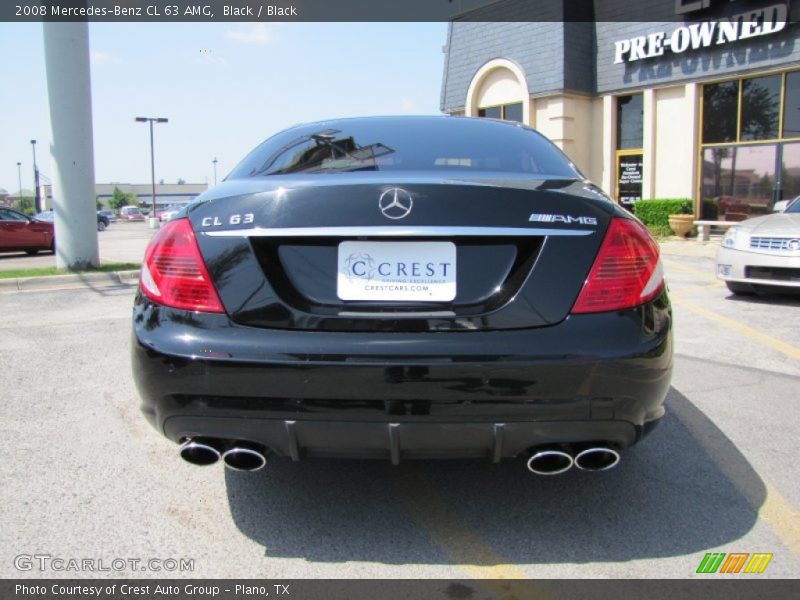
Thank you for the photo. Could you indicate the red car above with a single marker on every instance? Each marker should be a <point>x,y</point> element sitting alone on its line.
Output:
<point>130,213</point>
<point>19,232</point>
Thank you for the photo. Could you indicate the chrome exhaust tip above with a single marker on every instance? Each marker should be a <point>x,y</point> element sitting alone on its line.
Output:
<point>597,459</point>
<point>200,452</point>
<point>549,462</point>
<point>245,457</point>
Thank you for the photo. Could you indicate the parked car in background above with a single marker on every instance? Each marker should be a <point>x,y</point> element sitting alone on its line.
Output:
<point>108,214</point>
<point>731,209</point>
<point>102,221</point>
<point>49,215</point>
<point>165,214</point>
<point>762,252</point>
<point>131,213</point>
<point>401,288</point>
<point>19,232</point>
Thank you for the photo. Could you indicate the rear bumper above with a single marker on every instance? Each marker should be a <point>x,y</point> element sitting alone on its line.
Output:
<point>404,395</point>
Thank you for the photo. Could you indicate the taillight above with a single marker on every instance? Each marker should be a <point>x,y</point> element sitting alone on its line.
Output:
<point>627,271</point>
<point>173,272</point>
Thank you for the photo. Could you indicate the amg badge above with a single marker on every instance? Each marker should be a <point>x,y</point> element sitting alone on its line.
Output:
<point>540,218</point>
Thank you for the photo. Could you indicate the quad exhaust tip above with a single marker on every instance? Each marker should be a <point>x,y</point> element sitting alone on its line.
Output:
<point>550,462</point>
<point>239,456</point>
<point>597,459</point>
<point>553,461</point>
<point>245,457</point>
<point>200,452</point>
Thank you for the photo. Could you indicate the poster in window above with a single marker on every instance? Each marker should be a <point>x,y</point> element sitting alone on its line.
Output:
<point>629,182</point>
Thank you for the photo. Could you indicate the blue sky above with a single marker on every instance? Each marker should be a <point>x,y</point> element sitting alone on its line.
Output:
<point>224,87</point>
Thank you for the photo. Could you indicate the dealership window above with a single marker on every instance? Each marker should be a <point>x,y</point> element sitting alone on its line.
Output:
<point>745,110</point>
<point>720,110</point>
<point>630,129</point>
<point>738,181</point>
<point>630,156</point>
<point>507,112</point>
<point>750,145</point>
<point>791,106</point>
<point>761,104</point>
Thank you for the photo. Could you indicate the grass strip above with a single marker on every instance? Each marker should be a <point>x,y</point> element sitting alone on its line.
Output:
<point>46,271</point>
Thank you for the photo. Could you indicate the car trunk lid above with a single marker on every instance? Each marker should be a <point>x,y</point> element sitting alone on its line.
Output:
<point>520,251</point>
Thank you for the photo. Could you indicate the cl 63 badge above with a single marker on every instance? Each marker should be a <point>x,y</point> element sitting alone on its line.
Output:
<point>238,219</point>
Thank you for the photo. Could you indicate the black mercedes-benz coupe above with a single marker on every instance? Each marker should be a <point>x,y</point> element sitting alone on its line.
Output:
<point>400,288</point>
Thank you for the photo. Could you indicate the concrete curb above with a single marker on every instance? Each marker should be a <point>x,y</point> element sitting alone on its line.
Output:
<point>71,281</point>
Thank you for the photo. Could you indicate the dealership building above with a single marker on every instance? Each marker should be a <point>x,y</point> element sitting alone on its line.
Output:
<point>704,104</point>
<point>166,193</point>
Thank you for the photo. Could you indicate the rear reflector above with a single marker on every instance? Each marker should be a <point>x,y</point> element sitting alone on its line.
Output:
<point>627,271</point>
<point>173,272</point>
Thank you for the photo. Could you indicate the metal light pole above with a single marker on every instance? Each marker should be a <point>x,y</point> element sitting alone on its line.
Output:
<point>35,180</point>
<point>151,120</point>
<point>215,170</point>
<point>19,176</point>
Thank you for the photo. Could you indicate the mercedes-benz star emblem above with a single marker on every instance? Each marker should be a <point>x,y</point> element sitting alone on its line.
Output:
<point>395,203</point>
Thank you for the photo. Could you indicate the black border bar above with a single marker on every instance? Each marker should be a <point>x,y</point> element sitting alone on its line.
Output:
<point>711,587</point>
<point>173,11</point>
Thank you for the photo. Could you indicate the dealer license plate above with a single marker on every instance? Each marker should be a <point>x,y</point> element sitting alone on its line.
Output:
<point>397,271</point>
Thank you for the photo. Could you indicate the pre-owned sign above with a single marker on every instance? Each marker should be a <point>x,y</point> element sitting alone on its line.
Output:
<point>702,35</point>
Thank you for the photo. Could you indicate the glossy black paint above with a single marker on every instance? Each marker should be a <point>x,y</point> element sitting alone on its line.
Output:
<point>501,369</point>
<point>596,377</point>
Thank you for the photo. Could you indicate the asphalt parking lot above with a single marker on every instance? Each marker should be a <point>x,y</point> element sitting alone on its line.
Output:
<point>84,476</point>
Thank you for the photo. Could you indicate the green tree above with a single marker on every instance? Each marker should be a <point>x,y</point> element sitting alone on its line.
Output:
<point>98,204</point>
<point>181,181</point>
<point>25,205</point>
<point>119,199</point>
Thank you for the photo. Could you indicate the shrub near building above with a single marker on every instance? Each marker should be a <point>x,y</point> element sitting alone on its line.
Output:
<point>655,213</point>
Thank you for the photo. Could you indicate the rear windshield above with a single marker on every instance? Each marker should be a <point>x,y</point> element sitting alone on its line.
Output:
<point>428,144</point>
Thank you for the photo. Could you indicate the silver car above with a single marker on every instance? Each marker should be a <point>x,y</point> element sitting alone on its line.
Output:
<point>764,251</point>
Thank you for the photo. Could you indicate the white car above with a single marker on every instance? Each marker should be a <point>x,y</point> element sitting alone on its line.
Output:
<point>764,251</point>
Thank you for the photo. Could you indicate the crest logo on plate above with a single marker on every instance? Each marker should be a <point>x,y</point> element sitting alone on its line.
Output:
<point>793,244</point>
<point>395,203</point>
<point>360,265</point>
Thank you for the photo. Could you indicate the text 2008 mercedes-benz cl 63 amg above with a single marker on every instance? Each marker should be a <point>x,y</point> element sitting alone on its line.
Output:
<point>401,288</point>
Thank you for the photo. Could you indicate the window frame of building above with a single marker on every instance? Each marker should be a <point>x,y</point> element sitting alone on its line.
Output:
<point>778,142</point>
<point>502,108</point>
